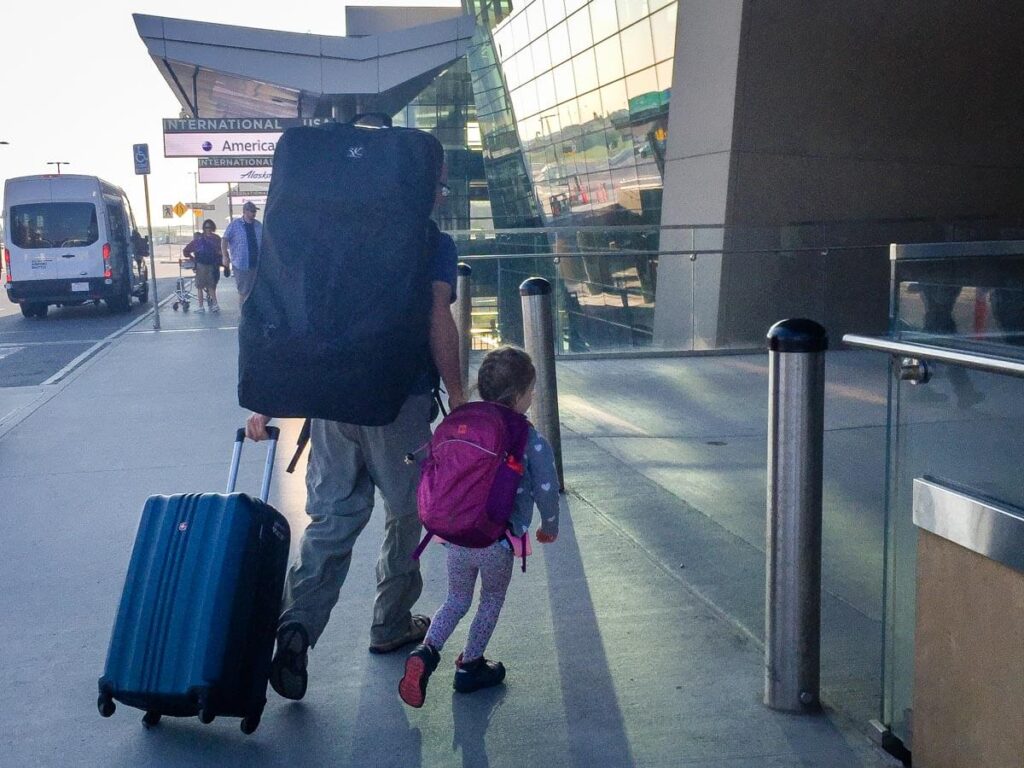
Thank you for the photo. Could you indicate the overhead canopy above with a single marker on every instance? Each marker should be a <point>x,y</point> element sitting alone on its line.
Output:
<point>218,70</point>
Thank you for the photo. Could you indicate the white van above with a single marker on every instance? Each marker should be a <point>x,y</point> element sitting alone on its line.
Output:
<point>69,239</point>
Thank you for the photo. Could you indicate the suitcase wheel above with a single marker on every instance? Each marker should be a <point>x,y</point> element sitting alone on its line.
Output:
<point>250,724</point>
<point>106,705</point>
<point>205,716</point>
<point>150,719</point>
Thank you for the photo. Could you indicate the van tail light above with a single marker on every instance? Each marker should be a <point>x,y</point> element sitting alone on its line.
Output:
<point>7,264</point>
<point>107,272</point>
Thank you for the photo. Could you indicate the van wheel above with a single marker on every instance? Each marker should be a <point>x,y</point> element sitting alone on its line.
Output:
<point>144,293</point>
<point>123,301</point>
<point>34,310</point>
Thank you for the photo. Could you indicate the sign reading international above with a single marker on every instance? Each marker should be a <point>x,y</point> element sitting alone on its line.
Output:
<point>228,136</point>
<point>214,170</point>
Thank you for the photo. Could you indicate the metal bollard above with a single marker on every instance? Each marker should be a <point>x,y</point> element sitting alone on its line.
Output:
<point>539,340</point>
<point>463,310</point>
<point>796,413</point>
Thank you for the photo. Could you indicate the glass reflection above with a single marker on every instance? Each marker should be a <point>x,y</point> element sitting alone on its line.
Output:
<point>609,60</point>
<point>603,19</point>
<point>580,37</point>
<point>663,26</point>
<point>585,69</point>
<point>558,42</point>
<point>637,46</point>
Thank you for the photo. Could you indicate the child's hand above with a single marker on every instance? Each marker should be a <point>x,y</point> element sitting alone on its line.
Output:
<point>544,537</point>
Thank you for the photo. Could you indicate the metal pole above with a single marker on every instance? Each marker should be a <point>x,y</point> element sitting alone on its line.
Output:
<point>539,340</point>
<point>152,257</point>
<point>796,423</point>
<point>463,318</point>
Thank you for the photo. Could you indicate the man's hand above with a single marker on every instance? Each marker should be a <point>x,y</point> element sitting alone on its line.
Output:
<point>544,537</point>
<point>455,400</point>
<point>256,427</point>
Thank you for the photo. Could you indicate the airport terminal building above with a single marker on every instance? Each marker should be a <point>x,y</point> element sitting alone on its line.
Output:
<point>765,153</point>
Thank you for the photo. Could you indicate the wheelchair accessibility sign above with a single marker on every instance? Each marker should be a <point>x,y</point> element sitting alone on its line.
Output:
<point>140,152</point>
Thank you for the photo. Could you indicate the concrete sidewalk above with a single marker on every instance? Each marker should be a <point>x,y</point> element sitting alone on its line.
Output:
<point>614,658</point>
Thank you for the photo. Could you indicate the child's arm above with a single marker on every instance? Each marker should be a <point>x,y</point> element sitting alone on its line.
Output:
<point>544,480</point>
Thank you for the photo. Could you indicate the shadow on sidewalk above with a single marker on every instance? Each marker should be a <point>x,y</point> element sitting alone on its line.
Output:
<point>594,723</point>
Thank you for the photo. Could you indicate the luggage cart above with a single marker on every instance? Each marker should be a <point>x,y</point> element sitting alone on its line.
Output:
<point>183,288</point>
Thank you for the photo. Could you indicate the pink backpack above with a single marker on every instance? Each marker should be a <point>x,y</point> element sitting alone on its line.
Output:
<point>468,483</point>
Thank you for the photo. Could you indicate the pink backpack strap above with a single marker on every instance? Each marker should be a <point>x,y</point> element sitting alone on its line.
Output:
<point>423,545</point>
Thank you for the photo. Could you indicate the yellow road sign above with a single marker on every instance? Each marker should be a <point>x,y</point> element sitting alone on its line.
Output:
<point>179,209</point>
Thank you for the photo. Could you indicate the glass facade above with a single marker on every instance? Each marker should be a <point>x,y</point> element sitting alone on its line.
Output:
<point>587,87</point>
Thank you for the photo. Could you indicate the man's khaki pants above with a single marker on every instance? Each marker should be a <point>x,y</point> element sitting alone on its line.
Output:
<point>346,463</point>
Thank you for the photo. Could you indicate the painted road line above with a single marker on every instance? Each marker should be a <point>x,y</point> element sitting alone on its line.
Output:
<point>100,345</point>
<point>8,351</point>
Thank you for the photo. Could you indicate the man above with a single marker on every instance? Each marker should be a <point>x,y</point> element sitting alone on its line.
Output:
<point>240,248</point>
<point>347,463</point>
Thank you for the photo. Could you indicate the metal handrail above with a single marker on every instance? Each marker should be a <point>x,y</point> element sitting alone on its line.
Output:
<point>972,360</point>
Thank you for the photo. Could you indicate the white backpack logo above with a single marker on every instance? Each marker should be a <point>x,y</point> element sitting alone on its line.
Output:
<point>356,153</point>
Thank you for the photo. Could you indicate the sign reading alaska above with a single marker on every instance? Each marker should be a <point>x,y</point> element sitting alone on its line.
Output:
<point>228,136</point>
<point>214,170</point>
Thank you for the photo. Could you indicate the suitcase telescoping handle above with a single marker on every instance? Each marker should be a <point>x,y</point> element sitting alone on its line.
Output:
<point>268,469</point>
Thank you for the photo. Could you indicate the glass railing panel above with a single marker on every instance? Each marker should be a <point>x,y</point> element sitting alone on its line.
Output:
<point>962,427</point>
<point>968,301</point>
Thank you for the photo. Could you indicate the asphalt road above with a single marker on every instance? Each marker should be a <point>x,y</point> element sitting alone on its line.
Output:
<point>33,350</point>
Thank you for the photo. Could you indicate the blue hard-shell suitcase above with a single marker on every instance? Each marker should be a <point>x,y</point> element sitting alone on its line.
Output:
<point>194,632</point>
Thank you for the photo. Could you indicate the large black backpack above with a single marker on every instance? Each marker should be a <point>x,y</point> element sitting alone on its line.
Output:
<point>337,324</point>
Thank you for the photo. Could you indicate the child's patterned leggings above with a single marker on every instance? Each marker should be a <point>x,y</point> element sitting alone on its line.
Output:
<point>494,564</point>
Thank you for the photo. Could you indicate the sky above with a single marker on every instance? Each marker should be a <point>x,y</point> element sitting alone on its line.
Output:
<point>80,87</point>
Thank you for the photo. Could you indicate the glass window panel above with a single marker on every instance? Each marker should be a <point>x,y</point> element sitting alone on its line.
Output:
<point>590,107</point>
<point>524,100</point>
<point>565,83</point>
<point>511,70</point>
<point>603,19</point>
<point>503,42</point>
<point>656,4</point>
<point>579,32</point>
<point>614,99</point>
<point>642,83</point>
<point>630,11</point>
<point>558,41</point>
<point>663,26</point>
<point>520,33</point>
<point>665,75</point>
<point>568,116</point>
<point>525,64</point>
<point>609,60</point>
<point>423,116</point>
<point>531,127</point>
<point>637,46</point>
<point>535,19</point>
<point>541,56</point>
<point>573,5</point>
<point>549,123</point>
<point>585,69</point>
<point>546,97</point>
<point>554,11</point>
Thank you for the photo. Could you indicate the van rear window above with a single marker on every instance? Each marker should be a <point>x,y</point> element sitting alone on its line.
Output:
<point>53,225</point>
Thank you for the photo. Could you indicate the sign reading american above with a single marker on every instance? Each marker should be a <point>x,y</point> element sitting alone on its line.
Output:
<point>229,136</point>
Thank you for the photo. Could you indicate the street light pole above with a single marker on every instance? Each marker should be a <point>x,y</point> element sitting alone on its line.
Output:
<point>58,163</point>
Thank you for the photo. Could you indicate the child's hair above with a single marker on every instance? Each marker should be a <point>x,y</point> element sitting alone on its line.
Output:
<point>505,375</point>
